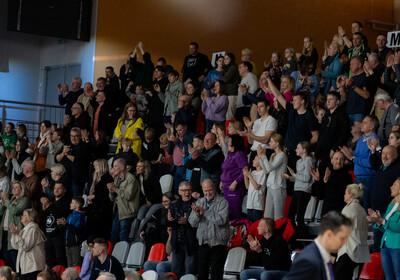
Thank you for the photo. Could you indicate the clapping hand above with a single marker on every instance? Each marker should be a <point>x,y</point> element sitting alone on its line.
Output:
<point>261,151</point>
<point>314,173</point>
<point>291,171</point>
<point>347,152</point>
<point>254,243</point>
<point>14,229</point>
<point>374,216</point>
<point>373,144</point>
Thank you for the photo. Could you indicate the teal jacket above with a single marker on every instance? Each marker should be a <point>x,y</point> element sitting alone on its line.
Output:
<point>391,229</point>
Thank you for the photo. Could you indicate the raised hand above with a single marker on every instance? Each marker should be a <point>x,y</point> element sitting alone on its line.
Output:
<point>327,175</point>
<point>315,173</point>
<point>261,151</point>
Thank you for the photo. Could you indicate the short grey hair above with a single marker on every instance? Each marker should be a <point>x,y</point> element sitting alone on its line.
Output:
<point>77,130</point>
<point>71,273</point>
<point>79,79</point>
<point>30,164</point>
<point>133,275</point>
<point>382,95</point>
<point>185,183</point>
<point>247,51</point>
<point>108,275</point>
<point>59,169</point>
<point>373,56</point>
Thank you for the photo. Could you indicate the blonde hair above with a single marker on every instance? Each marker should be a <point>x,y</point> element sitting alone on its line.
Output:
<point>356,190</point>
<point>278,139</point>
<point>308,52</point>
<point>59,169</point>
<point>103,169</point>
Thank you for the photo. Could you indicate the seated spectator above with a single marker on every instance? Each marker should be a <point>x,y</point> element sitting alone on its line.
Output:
<point>291,64</point>
<point>273,251</point>
<point>213,75</point>
<point>276,184</point>
<point>5,184</point>
<point>355,252</point>
<point>104,262</point>
<point>128,155</point>
<point>309,51</point>
<point>11,212</point>
<point>40,158</point>
<point>87,263</point>
<point>50,218</point>
<point>9,137</point>
<point>393,65</point>
<point>215,108</point>
<point>186,112</point>
<point>151,150</point>
<point>232,178</point>
<point>128,126</point>
<point>132,275</point>
<point>29,242</point>
<point>48,274</point>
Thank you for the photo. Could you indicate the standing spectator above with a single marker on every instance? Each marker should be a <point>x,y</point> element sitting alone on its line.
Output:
<point>86,98</point>
<point>75,159</point>
<point>215,108</point>
<point>382,51</point>
<point>195,66</point>
<point>210,215</point>
<point>16,159</point>
<point>273,251</point>
<point>32,182</point>
<point>362,168</point>
<point>53,146</point>
<point>57,174</point>
<point>186,112</point>
<point>5,184</point>
<point>102,117</point>
<point>128,126</point>
<point>302,185</point>
<point>390,120</point>
<point>142,67</point>
<point>388,224</point>
<point>70,97</point>
<point>104,262</point>
<point>9,137</point>
<point>306,79</point>
<point>213,75</point>
<point>99,214</point>
<point>40,158</point>
<point>309,51</point>
<point>29,242</point>
<point>247,84</point>
<point>355,251</point>
<point>232,178</point>
<point>274,68</point>
<point>276,184</point>
<point>50,218</point>
<point>231,78</point>
<point>246,56</point>
<point>112,79</point>
<point>331,68</point>
<point>393,65</point>
<point>255,184</point>
<point>79,118</point>
<point>124,191</point>
<point>183,238</point>
<point>11,212</point>
<point>291,64</point>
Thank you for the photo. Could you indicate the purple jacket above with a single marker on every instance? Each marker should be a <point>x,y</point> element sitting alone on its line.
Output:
<point>215,108</point>
<point>232,169</point>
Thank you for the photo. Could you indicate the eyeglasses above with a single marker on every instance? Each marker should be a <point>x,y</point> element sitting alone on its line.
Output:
<point>186,190</point>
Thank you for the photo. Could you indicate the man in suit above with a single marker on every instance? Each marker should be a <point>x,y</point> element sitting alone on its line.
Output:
<point>314,262</point>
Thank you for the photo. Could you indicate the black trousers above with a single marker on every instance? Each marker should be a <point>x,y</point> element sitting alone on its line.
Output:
<point>344,268</point>
<point>213,257</point>
<point>55,251</point>
<point>297,209</point>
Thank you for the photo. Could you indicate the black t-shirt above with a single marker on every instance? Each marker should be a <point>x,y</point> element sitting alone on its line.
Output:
<point>275,253</point>
<point>299,127</point>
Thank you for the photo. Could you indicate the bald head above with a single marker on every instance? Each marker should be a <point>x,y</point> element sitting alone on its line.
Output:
<point>208,189</point>
<point>389,155</point>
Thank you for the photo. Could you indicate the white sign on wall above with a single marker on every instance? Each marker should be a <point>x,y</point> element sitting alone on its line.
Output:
<point>393,39</point>
<point>214,56</point>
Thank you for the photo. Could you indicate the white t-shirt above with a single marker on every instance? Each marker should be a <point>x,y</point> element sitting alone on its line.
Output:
<point>249,80</point>
<point>255,198</point>
<point>259,128</point>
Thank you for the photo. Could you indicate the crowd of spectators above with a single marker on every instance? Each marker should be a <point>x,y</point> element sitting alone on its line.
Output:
<point>230,136</point>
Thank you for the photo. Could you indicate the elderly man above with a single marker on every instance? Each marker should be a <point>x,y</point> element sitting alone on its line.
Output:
<point>103,262</point>
<point>86,98</point>
<point>209,158</point>
<point>80,118</point>
<point>333,184</point>
<point>390,119</point>
<point>247,84</point>
<point>183,237</point>
<point>124,191</point>
<point>363,170</point>
<point>70,96</point>
<point>71,273</point>
<point>210,215</point>
<point>273,251</point>
<point>33,188</point>
<point>380,195</point>
<point>75,158</point>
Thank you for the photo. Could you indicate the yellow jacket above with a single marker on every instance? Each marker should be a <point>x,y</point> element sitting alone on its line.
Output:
<point>137,142</point>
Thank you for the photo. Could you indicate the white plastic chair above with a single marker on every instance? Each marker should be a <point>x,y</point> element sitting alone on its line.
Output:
<point>244,205</point>
<point>310,212</point>
<point>136,254</point>
<point>84,248</point>
<point>150,275</point>
<point>188,277</point>
<point>166,182</point>
<point>120,251</point>
<point>234,263</point>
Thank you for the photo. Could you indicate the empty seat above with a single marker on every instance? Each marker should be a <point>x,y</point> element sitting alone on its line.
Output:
<point>120,251</point>
<point>166,182</point>
<point>136,256</point>
<point>234,263</point>
<point>188,277</point>
<point>373,269</point>
<point>157,252</point>
<point>150,275</point>
<point>84,248</point>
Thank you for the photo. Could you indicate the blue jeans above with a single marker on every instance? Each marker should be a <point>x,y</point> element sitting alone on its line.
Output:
<point>262,274</point>
<point>179,176</point>
<point>120,229</point>
<point>160,267</point>
<point>366,181</point>
<point>254,215</point>
<point>391,263</point>
<point>355,117</point>
<point>182,262</point>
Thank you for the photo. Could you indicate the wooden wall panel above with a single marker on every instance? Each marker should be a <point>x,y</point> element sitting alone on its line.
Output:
<point>167,26</point>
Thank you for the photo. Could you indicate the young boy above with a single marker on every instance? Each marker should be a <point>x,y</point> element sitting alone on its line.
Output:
<point>75,225</point>
<point>128,155</point>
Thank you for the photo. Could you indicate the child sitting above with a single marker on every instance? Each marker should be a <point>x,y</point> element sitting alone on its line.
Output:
<point>128,155</point>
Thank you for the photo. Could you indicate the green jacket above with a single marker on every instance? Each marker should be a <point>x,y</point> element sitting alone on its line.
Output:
<point>127,192</point>
<point>391,229</point>
<point>15,211</point>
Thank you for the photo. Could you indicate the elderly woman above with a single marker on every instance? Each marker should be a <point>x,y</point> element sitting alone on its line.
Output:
<point>389,224</point>
<point>58,174</point>
<point>355,251</point>
<point>11,212</point>
<point>232,179</point>
<point>331,68</point>
<point>30,244</point>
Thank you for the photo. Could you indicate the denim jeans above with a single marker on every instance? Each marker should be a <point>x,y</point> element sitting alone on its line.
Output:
<point>366,181</point>
<point>160,267</point>
<point>120,229</point>
<point>182,262</point>
<point>262,274</point>
<point>254,215</point>
<point>391,263</point>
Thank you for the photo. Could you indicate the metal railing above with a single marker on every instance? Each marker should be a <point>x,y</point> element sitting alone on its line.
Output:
<point>30,114</point>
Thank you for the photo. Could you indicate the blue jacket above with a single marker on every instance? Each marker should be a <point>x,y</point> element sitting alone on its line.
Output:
<point>74,228</point>
<point>362,166</point>
<point>335,68</point>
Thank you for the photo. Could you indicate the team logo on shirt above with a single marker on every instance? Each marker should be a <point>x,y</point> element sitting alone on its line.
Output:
<point>191,62</point>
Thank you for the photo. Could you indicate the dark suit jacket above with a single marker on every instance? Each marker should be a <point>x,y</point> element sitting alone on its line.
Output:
<point>308,265</point>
